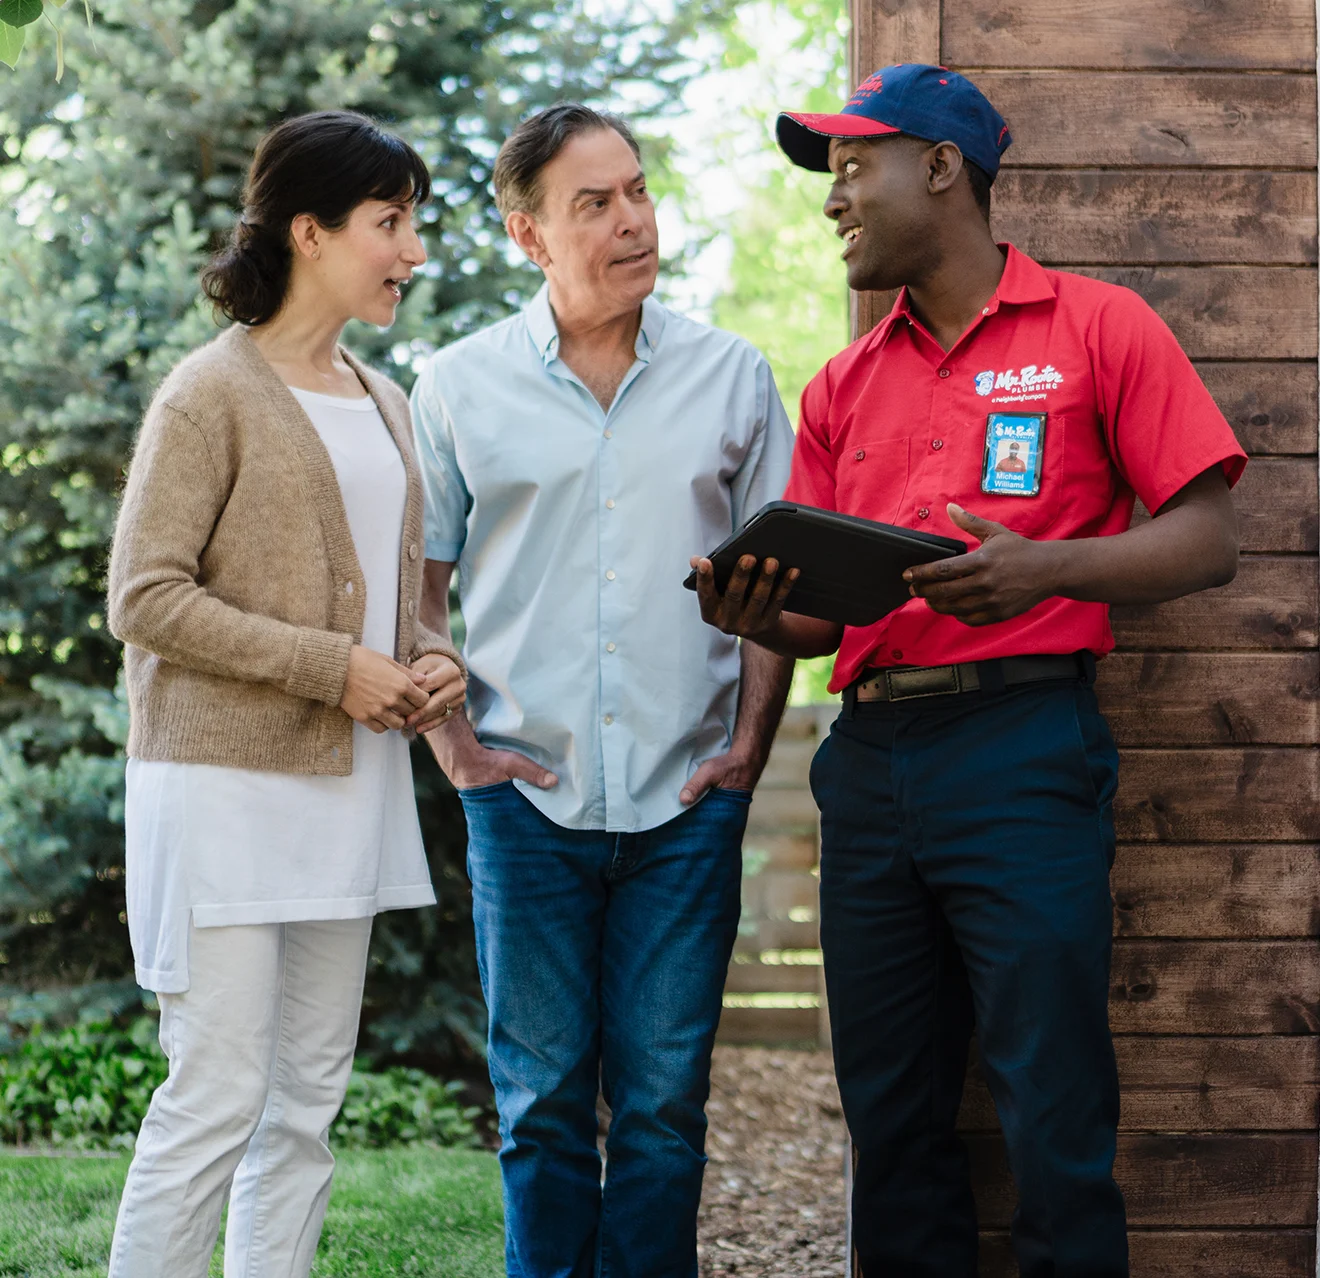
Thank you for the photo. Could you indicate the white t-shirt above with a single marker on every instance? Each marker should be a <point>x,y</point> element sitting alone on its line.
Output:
<point>228,846</point>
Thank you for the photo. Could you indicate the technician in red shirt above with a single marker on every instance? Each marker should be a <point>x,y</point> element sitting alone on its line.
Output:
<point>966,789</point>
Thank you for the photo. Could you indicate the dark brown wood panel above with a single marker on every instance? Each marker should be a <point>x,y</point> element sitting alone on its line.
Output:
<point>1061,216</point>
<point>1271,604</point>
<point>747,976</point>
<point>1229,1180</point>
<point>800,1025</point>
<point>1216,890</point>
<point>1119,118</point>
<point>1259,34</point>
<point>1276,506</point>
<point>1271,406</point>
<point>1166,699</point>
<point>1228,312</point>
<point>1197,1084</point>
<point>1191,1253</point>
<point>1219,796</point>
<point>1215,987</point>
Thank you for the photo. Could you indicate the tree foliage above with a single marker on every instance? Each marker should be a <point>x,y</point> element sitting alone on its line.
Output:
<point>114,185</point>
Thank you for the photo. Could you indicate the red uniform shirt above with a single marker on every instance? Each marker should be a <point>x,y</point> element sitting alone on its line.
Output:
<point>894,427</point>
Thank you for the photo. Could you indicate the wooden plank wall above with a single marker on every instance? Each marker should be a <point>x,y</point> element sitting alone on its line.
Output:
<point>1171,146</point>
<point>773,994</point>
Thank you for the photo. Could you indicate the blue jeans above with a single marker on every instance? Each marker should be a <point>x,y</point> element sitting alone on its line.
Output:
<point>966,842</point>
<point>602,958</point>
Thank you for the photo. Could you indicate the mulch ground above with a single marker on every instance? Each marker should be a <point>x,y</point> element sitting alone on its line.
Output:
<point>773,1202</point>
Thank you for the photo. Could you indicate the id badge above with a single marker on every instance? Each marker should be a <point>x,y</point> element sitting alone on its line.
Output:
<point>1014,446</point>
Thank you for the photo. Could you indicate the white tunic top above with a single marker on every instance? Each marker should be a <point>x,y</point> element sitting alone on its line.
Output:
<point>231,845</point>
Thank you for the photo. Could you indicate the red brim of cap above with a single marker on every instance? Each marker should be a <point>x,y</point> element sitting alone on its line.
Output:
<point>805,137</point>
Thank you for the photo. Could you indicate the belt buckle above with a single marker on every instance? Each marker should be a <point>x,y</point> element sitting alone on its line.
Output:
<point>928,681</point>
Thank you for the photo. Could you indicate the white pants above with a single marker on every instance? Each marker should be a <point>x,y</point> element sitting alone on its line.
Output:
<point>260,1049</point>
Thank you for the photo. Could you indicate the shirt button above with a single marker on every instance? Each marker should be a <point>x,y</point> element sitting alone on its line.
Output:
<point>859,454</point>
<point>412,551</point>
<point>986,311</point>
<point>609,434</point>
<point>348,587</point>
<point>412,606</point>
<point>944,372</point>
<point>609,576</point>
<point>937,444</point>
<point>609,647</point>
<point>609,719</point>
<point>609,503</point>
<point>897,654</point>
<point>924,513</point>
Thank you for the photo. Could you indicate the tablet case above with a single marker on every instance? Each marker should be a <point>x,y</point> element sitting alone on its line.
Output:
<point>852,569</point>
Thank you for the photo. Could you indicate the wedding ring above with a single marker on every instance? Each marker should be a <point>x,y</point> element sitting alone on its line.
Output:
<point>448,710</point>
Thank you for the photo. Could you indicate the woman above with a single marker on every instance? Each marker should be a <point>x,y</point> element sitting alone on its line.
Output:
<point>265,578</point>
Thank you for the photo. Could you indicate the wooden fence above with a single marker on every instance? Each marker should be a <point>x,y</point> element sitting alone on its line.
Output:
<point>774,993</point>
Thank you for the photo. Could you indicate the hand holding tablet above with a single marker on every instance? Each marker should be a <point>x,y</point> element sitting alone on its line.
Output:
<point>818,563</point>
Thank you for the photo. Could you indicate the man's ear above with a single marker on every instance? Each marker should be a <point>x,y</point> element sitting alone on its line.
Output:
<point>943,164</point>
<point>525,233</point>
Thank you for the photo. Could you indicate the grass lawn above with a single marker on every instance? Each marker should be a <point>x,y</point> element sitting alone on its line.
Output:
<point>396,1212</point>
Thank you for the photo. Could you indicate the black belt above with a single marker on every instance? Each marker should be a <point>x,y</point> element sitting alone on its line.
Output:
<point>907,683</point>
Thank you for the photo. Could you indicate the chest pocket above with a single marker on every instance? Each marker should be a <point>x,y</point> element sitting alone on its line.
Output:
<point>870,478</point>
<point>1028,516</point>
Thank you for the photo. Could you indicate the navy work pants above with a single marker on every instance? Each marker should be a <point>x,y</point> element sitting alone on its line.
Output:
<point>966,842</point>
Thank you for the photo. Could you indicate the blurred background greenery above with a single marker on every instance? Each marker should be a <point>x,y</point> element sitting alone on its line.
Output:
<point>115,183</point>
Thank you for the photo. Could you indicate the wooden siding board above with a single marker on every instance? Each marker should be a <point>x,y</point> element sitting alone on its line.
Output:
<point>1182,1180</point>
<point>1217,890</point>
<point>1270,605</point>
<point>1135,119</point>
<point>1241,34</point>
<point>1225,795</point>
<point>1230,216</point>
<point>1170,699</point>
<point>1190,1253</point>
<point>1197,1084</point>
<point>1214,987</point>
<point>1272,407</point>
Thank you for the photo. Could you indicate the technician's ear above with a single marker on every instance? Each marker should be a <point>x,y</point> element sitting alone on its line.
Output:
<point>943,164</point>
<point>524,232</point>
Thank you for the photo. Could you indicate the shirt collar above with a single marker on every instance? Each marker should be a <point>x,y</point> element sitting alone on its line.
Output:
<point>1024,281</point>
<point>540,319</point>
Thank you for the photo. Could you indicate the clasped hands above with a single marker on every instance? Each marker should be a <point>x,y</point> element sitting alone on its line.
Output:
<point>1002,578</point>
<point>383,694</point>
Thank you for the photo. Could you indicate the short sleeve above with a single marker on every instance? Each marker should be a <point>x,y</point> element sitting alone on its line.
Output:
<point>811,482</point>
<point>447,498</point>
<point>1161,424</point>
<point>764,472</point>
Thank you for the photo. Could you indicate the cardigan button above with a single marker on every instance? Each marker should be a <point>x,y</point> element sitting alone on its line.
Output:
<point>334,752</point>
<point>412,607</point>
<point>348,587</point>
<point>412,551</point>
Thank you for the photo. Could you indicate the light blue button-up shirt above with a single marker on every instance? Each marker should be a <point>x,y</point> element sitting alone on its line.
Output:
<point>572,528</point>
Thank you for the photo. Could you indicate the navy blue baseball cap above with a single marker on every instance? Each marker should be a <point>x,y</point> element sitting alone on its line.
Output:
<point>922,101</point>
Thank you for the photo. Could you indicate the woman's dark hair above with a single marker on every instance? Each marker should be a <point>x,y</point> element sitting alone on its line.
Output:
<point>536,141</point>
<point>324,164</point>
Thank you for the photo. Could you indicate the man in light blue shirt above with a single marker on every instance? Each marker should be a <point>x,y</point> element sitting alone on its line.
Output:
<point>575,456</point>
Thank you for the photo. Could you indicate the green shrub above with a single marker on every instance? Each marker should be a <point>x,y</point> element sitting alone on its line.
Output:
<point>402,1106</point>
<point>85,1087</point>
<point>88,1087</point>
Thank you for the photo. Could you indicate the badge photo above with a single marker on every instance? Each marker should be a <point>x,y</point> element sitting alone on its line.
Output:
<point>1014,447</point>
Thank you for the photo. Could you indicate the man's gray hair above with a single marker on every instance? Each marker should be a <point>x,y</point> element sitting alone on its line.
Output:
<point>536,141</point>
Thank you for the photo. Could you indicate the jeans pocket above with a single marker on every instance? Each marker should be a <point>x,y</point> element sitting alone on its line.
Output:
<point>738,796</point>
<point>481,791</point>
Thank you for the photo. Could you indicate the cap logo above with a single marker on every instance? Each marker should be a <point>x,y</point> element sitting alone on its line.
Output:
<point>869,88</point>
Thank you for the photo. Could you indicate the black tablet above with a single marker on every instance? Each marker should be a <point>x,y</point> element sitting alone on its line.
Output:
<point>852,569</point>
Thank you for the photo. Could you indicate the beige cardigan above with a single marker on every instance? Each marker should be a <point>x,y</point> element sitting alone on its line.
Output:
<point>234,582</point>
